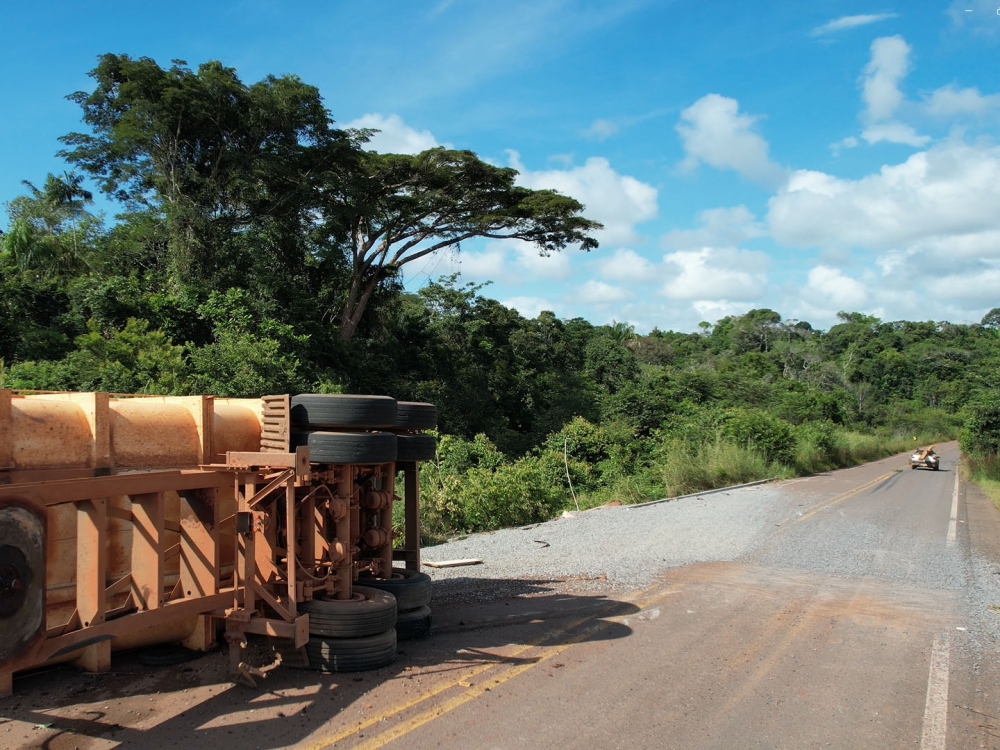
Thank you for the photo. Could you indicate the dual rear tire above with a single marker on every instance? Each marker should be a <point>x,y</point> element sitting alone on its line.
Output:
<point>339,428</point>
<point>412,591</point>
<point>348,635</point>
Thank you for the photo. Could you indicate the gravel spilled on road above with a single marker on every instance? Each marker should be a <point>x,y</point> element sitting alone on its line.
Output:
<point>611,548</point>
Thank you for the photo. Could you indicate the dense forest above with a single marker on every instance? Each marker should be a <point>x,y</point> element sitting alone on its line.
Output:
<point>258,249</point>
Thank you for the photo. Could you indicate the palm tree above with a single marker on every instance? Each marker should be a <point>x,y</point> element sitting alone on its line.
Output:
<point>47,227</point>
<point>623,333</point>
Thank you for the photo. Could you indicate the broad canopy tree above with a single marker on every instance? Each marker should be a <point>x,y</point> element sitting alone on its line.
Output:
<point>398,208</point>
<point>241,171</point>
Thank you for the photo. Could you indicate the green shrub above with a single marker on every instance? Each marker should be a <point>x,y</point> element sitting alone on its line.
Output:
<point>773,438</point>
<point>481,499</point>
<point>980,435</point>
<point>817,447</point>
<point>131,360</point>
<point>248,356</point>
<point>456,455</point>
<point>638,488</point>
<point>513,495</point>
<point>602,453</point>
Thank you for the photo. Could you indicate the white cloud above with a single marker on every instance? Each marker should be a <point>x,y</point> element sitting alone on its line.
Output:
<point>981,286</point>
<point>980,244</point>
<point>627,266</point>
<point>894,132</point>
<point>725,274</point>
<point>889,64</point>
<point>487,265</point>
<point>618,201</point>
<point>601,130</point>
<point>942,275</point>
<point>713,131</point>
<point>719,226</point>
<point>395,136</point>
<point>714,310</point>
<point>829,287</point>
<point>982,19</point>
<point>949,101</point>
<point>512,260</point>
<point>946,194</point>
<point>848,142</point>
<point>598,293</point>
<point>529,307</point>
<point>880,81</point>
<point>552,267</point>
<point>850,22</point>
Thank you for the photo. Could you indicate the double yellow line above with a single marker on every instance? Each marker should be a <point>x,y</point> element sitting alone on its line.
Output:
<point>830,502</point>
<point>474,690</point>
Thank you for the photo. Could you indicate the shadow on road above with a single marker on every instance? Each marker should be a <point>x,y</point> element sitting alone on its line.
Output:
<point>477,623</point>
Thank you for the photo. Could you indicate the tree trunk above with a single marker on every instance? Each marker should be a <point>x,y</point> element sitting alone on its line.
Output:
<point>356,303</point>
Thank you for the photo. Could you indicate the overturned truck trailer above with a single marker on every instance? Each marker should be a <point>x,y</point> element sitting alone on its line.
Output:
<point>134,520</point>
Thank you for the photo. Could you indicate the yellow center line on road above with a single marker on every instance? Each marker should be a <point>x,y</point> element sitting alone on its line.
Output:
<point>641,599</point>
<point>476,691</point>
<point>829,503</point>
<point>399,708</point>
<point>448,706</point>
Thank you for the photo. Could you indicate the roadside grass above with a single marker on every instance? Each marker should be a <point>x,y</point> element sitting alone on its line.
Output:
<point>991,487</point>
<point>626,490</point>
<point>985,473</point>
<point>686,468</point>
<point>533,488</point>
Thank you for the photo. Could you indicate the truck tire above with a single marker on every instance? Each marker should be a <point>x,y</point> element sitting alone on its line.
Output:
<point>341,410</point>
<point>416,415</point>
<point>411,588</point>
<point>352,654</point>
<point>347,447</point>
<point>369,612</point>
<point>416,447</point>
<point>413,624</point>
<point>22,559</point>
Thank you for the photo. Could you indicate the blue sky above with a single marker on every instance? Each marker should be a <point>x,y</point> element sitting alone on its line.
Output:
<point>807,157</point>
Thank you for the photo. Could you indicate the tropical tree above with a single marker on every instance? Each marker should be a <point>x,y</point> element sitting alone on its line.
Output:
<point>212,156</point>
<point>51,231</point>
<point>399,208</point>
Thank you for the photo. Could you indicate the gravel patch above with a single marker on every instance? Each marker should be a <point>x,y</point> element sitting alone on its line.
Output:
<point>883,545</point>
<point>619,548</point>
<point>625,549</point>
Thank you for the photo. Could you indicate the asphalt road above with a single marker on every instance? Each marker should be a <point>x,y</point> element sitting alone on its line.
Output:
<point>862,618</point>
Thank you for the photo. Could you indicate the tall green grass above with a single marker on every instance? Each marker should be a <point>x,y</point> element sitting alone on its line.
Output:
<point>692,468</point>
<point>985,472</point>
<point>626,490</point>
<point>683,467</point>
